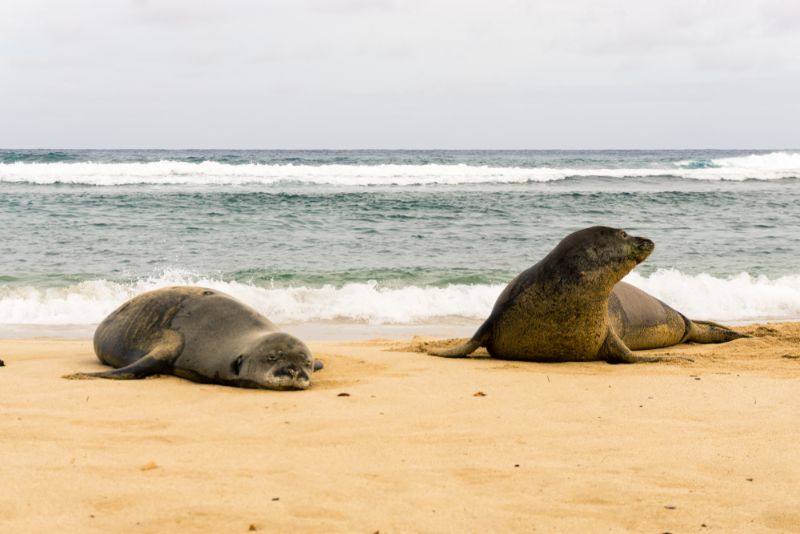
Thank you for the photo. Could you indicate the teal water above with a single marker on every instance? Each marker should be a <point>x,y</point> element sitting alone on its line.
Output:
<point>314,220</point>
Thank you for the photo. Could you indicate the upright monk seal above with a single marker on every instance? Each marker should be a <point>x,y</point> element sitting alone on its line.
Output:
<point>202,335</point>
<point>571,306</point>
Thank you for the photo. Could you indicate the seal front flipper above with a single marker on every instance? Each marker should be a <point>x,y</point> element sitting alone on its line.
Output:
<point>318,365</point>
<point>462,351</point>
<point>615,351</point>
<point>478,340</point>
<point>159,360</point>
<point>145,366</point>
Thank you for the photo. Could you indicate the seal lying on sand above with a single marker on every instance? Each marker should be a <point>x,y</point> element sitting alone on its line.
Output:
<point>571,306</point>
<point>202,335</point>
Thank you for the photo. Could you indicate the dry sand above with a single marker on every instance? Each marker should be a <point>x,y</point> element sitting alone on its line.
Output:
<point>391,440</point>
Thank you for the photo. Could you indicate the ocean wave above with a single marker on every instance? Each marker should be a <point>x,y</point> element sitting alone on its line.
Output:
<point>368,302</point>
<point>785,164</point>
<point>740,299</point>
<point>773,166</point>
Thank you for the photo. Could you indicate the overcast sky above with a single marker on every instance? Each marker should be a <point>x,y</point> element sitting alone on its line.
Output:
<point>400,74</point>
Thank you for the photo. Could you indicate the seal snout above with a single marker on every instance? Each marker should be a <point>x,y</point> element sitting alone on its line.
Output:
<point>291,371</point>
<point>642,247</point>
<point>291,375</point>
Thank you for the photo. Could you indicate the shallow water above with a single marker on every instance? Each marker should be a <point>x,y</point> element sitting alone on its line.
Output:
<point>397,237</point>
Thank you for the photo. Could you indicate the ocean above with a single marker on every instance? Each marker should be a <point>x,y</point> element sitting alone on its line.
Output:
<point>367,239</point>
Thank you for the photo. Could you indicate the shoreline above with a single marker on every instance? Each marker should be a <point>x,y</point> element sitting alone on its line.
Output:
<point>311,331</point>
<point>417,443</point>
<point>321,330</point>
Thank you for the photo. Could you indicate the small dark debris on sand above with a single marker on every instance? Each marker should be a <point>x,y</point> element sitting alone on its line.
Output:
<point>149,466</point>
<point>343,395</point>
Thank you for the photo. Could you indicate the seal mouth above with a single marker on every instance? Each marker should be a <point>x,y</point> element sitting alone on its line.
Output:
<point>272,383</point>
<point>285,385</point>
<point>289,376</point>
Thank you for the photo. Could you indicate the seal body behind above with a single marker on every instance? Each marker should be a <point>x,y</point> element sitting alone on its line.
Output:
<point>644,322</point>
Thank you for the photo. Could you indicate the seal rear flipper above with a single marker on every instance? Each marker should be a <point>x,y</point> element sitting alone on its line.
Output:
<point>614,350</point>
<point>145,366</point>
<point>708,332</point>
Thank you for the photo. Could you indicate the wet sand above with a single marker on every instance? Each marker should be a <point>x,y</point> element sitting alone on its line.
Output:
<point>388,439</point>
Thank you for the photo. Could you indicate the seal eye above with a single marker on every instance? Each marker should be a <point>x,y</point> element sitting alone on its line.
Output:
<point>236,365</point>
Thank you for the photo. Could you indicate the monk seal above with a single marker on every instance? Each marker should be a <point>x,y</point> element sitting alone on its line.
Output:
<point>202,335</point>
<point>572,306</point>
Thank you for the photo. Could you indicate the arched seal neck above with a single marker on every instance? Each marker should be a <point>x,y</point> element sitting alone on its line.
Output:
<point>595,259</point>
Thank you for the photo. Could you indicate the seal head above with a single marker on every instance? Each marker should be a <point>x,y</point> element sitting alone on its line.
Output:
<point>597,257</point>
<point>276,361</point>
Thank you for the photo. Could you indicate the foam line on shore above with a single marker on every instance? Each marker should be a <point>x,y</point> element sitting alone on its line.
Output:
<point>740,298</point>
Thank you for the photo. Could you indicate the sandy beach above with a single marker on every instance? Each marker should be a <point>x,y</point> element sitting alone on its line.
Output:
<point>388,439</point>
<point>379,179</point>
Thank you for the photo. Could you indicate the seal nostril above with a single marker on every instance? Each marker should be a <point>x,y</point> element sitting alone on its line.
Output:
<point>288,370</point>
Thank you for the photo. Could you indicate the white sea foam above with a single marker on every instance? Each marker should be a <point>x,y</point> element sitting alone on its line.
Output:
<point>773,166</point>
<point>739,299</point>
<point>369,302</point>
<point>776,161</point>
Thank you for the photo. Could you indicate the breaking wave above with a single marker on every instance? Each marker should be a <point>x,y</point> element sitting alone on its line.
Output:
<point>772,166</point>
<point>739,299</point>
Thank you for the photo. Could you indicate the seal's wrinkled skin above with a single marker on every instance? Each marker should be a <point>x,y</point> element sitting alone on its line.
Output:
<point>202,335</point>
<point>571,306</point>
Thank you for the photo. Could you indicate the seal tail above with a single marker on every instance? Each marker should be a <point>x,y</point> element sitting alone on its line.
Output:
<point>461,351</point>
<point>708,332</point>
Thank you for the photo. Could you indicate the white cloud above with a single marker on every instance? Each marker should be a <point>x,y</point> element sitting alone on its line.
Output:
<point>415,73</point>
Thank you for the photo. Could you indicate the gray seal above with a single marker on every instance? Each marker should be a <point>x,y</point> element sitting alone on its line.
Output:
<point>572,306</point>
<point>202,335</point>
